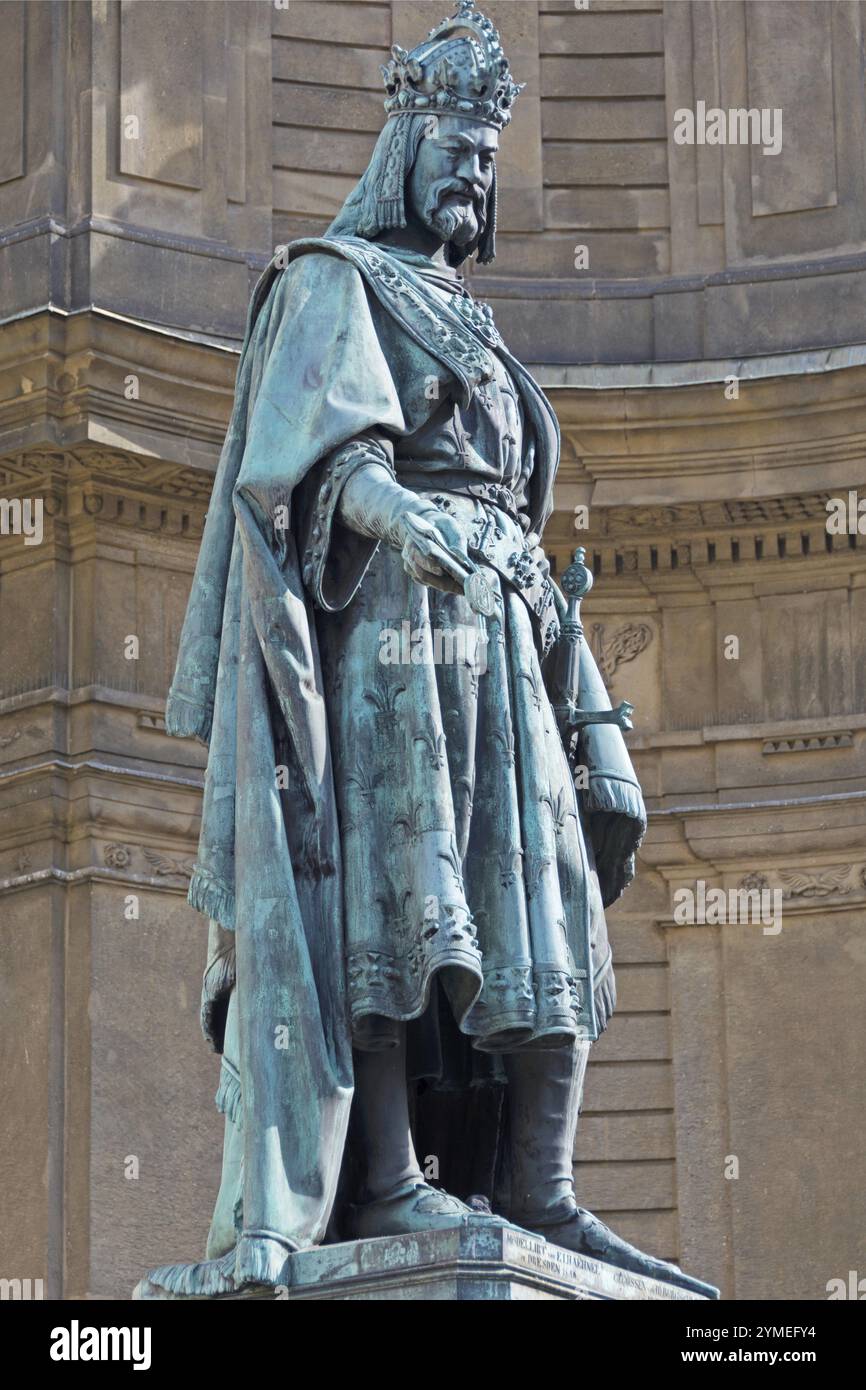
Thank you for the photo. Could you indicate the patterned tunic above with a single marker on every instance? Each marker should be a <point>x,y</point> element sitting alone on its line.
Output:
<point>464,857</point>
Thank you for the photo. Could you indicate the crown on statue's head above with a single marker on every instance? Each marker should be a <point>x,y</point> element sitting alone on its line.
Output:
<point>460,69</point>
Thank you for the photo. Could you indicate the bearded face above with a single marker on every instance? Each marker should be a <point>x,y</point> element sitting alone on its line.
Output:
<point>451,178</point>
<point>455,211</point>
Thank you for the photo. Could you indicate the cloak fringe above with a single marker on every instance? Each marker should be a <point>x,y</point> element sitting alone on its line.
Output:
<point>391,212</point>
<point>262,1258</point>
<point>207,1279</point>
<point>617,827</point>
<point>228,1099</point>
<point>606,792</point>
<point>259,1258</point>
<point>602,970</point>
<point>212,898</point>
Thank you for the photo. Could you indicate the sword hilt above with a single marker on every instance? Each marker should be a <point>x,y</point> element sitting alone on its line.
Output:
<point>621,716</point>
<point>576,583</point>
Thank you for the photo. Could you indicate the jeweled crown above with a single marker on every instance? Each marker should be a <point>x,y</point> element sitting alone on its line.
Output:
<point>460,68</point>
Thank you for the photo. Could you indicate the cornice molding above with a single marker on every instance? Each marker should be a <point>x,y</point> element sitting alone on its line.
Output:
<point>65,382</point>
<point>713,546</point>
<point>648,446</point>
<point>92,485</point>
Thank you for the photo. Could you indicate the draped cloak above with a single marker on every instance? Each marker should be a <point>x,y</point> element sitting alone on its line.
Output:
<point>342,340</point>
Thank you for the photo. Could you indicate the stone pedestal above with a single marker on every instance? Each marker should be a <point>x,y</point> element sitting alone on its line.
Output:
<point>475,1261</point>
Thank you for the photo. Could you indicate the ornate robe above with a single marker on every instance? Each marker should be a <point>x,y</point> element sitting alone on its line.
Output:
<point>390,830</point>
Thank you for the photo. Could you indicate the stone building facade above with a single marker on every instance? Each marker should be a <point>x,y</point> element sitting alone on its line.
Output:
<point>698,314</point>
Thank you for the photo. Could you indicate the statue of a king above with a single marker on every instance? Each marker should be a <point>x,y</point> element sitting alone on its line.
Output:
<point>405,880</point>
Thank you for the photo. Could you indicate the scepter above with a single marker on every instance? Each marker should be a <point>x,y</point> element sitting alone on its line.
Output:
<point>576,584</point>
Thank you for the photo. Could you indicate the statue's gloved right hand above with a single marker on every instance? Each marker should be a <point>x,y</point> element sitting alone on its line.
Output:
<point>373,503</point>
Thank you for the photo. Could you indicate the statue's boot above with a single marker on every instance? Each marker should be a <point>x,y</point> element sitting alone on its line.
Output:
<point>396,1200</point>
<point>412,1207</point>
<point>544,1093</point>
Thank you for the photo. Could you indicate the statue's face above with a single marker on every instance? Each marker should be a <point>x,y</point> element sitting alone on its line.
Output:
<point>451,178</point>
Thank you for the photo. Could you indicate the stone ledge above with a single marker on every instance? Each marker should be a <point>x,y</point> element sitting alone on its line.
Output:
<point>477,1261</point>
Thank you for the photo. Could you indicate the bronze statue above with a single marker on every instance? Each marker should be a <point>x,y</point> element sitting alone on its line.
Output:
<point>408,950</point>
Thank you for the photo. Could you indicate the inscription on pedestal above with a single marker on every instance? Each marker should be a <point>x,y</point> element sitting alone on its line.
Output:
<point>598,1279</point>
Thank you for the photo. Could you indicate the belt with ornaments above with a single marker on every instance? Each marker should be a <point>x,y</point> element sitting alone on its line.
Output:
<point>497,539</point>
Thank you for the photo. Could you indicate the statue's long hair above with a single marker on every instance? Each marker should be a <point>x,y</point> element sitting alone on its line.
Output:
<point>378,201</point>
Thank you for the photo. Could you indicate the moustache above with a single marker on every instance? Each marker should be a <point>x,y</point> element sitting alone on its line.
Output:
<point>443,190</point>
